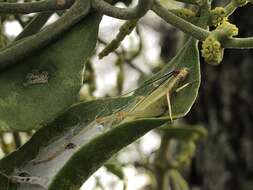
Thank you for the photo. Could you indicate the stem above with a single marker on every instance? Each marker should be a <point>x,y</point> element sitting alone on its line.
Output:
<point>32,7</point>
<point>25,47</point>
<point>124,30</point>
<point>162,179</point>
<point>3,144</point>
<point>123,13</point>
<point>20,21</point>
<point>180,23</point>
<point>239,43</point>
<point>17,139</point>
<point>128,61</point>
<point>35,25</point>
<point>195,2</point>
<point>161,164</point>
<point>230,8</point>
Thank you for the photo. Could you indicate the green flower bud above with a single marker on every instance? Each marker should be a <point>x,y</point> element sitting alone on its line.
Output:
<point>212,51</point>
<point>218,16</point>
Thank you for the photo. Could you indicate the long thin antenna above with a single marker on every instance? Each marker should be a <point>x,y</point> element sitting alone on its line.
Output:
<point>167,75</point>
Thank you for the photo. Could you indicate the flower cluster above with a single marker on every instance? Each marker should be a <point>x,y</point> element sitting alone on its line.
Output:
<point>218,16</point>
<point>228,29</point>
<point>212,51</point>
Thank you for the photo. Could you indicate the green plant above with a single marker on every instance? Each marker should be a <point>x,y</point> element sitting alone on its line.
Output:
<point>40,85</point>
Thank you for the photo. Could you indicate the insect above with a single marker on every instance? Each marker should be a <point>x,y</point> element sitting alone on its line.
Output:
<point>156,102</point>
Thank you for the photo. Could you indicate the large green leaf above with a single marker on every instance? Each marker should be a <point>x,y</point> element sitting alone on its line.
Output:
<point>48,156</point>
<point>35,92</point>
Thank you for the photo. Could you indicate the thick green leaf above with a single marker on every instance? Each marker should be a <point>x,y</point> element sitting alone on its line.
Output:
<point>48,155</point>
<point>45,85</point>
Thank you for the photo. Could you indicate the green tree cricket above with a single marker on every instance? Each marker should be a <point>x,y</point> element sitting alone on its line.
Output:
<point>157,103</point>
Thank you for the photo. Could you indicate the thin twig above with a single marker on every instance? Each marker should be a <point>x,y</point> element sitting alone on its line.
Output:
<point>230,8</point>
<point>123,13</point>
<point>32,7</point>
<point>195,2</point>
<point>180,23</point>
<point>34,25</point>
<point>239,43</point>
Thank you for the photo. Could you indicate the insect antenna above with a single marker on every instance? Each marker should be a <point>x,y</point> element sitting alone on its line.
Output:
<point>149,82</point>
